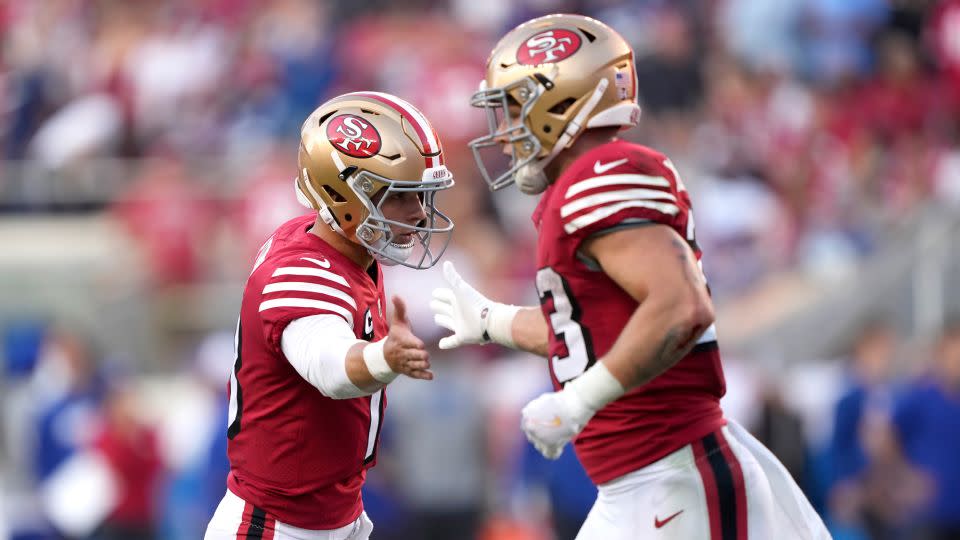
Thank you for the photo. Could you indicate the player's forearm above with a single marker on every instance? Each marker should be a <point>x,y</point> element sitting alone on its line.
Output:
<point>358,372</point>
<point>529,331</point>
<point>660,333</point>
<point>324,351</point>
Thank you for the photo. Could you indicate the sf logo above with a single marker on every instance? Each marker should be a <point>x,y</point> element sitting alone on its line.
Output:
<point>353,136</point>
<point>549,46</point>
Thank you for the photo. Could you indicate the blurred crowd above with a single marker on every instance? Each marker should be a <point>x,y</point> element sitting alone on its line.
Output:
<point>806,130</point>
<point>93,452</point>
<point>831,120</point>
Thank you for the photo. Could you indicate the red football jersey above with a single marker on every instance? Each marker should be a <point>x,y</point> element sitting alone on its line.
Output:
<point>618,185</point>
<point>294,452</point>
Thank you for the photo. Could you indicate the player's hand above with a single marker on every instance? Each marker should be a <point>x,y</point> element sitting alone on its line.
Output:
<point>461,309</point>
<point>552,420</point>
<point>405,353</point>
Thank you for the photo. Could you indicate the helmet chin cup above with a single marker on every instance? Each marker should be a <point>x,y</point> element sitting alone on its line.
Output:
<point>392,255</point>
<point>531,179</point>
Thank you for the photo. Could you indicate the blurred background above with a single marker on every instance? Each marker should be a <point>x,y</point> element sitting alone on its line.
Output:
<point>147,150</point>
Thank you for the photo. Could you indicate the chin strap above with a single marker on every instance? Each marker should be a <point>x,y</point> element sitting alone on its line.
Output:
<point>533,180</point>
<point>576,125</point>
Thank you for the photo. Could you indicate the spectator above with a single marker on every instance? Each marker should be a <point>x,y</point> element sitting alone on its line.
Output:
<point>861,410</point>
<point>131,451</point>
<point>926,422</point>
<point>69,391</point>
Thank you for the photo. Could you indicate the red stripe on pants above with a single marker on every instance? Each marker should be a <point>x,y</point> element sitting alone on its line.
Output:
<point>268,528</point>
<point>709,488</point>
<point>245,521</point>
<point>739,485</point>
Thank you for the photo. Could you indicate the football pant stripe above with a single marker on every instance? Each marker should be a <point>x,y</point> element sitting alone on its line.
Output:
<point>607,211</point>
<point>739,485</point>
<point>615,179</point>
<point>307,303</point>
<point>728,481</point>
<point>614,196</point>
<point>245,521</point>
<point>709,489</point>
<point>280,286</point>
<point>305,271</point>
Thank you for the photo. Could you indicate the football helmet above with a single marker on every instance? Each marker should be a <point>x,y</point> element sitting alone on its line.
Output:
<point>355,150</point>
<point>561,74</point>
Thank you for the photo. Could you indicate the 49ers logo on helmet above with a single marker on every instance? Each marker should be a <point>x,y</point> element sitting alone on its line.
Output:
<point>353,136</point>
<point>548,46</point>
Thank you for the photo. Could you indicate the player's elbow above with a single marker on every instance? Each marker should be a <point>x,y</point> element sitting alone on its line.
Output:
<point>693,313</point>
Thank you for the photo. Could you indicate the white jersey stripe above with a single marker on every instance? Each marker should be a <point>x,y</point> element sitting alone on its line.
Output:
<point>307,303</point>
<point>614,179</point>
<point>613,196</point>
<point>305,271</point>
<point>300,286</point>
<point>606,211</point>
<point>710,334</point>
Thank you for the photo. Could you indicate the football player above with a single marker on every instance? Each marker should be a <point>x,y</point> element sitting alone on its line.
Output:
<point>314,350</point>
<point>625,316</point>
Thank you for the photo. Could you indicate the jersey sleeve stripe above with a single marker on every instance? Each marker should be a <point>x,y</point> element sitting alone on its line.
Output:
<point>300,286</point>
<point>607,211</point>
<point>614,179</point>
<point>307,303</point>
<point>613,196</point>
<point>709,335</point>
<point>305,271</point>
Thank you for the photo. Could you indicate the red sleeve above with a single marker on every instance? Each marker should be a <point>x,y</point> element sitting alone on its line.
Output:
<point>645,192</point>
<point>300,287</point>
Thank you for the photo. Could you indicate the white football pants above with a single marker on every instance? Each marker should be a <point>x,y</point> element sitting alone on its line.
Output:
<point>725,486</point>
<point>236,518</point>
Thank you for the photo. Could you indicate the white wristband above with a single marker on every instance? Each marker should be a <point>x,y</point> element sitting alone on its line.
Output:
<point>377,363</point>
<point>596,387</point>
<point>500,323</point>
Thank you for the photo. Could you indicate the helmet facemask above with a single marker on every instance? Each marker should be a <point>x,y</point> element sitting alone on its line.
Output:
<point>504,128</point>
<point>375,232</point>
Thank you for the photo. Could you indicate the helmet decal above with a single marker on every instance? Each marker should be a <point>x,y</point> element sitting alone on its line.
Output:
<point>353,136</point>
<point>548,46</point>
<point>421,127</point>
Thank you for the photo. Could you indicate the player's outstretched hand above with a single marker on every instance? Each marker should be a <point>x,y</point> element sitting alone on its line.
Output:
<point>552,420</point>
<point>461,309</point>
<point>405,353</point>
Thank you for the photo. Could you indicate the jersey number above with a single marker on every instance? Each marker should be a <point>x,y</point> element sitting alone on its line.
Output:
<point>565,323</point>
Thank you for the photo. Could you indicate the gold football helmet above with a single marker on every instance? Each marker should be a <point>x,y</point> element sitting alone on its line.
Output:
<point>355,150</point>
<point>561,74</point>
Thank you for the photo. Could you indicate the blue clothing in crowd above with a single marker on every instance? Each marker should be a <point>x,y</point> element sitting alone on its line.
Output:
<point>927,421</point>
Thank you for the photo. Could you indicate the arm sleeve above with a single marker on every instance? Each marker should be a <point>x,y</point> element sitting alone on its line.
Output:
<point>316,346</point>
